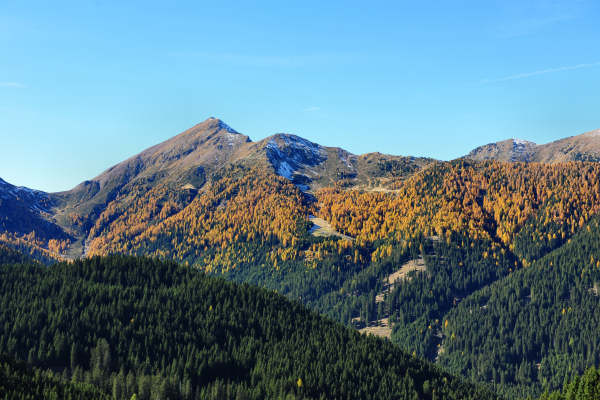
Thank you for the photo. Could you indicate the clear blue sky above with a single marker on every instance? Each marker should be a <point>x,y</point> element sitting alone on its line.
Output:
<point>85,84</point>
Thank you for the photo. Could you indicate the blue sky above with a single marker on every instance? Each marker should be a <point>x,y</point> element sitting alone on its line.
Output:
<point>85,84</point>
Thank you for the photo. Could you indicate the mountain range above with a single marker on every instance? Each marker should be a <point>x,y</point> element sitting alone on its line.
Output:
<point>188,159</point>
<point>487,265</point>
<point>184,163</point>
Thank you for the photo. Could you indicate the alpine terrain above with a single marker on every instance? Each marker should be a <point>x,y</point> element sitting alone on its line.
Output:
<point>487,266</point>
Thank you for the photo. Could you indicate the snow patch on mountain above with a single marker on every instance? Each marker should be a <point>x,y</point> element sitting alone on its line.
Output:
<point>289,154</point>
<point>272,145</point>
<point>521,150</point>
<point>345,159</point>
<point>298,143</point>
<point>19,191</point>
<point>285,170</point>
<point>279,160</point>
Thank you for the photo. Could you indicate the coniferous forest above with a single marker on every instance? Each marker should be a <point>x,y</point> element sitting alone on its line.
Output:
<point>120,326</point>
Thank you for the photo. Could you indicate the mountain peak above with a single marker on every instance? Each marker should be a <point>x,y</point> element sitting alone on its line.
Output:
<point>289,153</point>
<point>219,123</point>
<point>294,141</point>
<point>208,144</point>
<point>582,147</point>
<point>507,150</point>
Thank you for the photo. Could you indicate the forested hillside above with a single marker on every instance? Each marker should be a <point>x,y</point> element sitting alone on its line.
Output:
<point>468,224</point>
<point>8,255</point>
<point>155,329</point>
<point>535,328</point>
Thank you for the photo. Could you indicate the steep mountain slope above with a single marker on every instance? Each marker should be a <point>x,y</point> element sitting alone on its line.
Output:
<point>585,387</point>
<point>584,147</point>
<point>180,162</point>
<point>170,332</point>
<point>212,199</point>
<point>8,255</point>
<point>175,172</point>
<point>471,224</point>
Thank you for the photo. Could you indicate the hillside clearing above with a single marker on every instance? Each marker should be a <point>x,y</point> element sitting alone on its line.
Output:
<point>400,275</point>
<point>323,228</point>
<point>379,328</point>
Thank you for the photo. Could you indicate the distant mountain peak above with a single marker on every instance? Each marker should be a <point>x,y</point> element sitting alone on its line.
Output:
<point>221,124</point>
<point>507,150</point>
<point>583,147</point>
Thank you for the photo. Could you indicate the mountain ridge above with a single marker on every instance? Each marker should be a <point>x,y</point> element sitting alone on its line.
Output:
<point>185,162</point>
<point>582,147</point>
<point>213,144</point>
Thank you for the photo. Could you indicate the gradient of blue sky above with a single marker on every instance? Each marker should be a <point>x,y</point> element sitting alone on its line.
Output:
<point>85,84</point>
